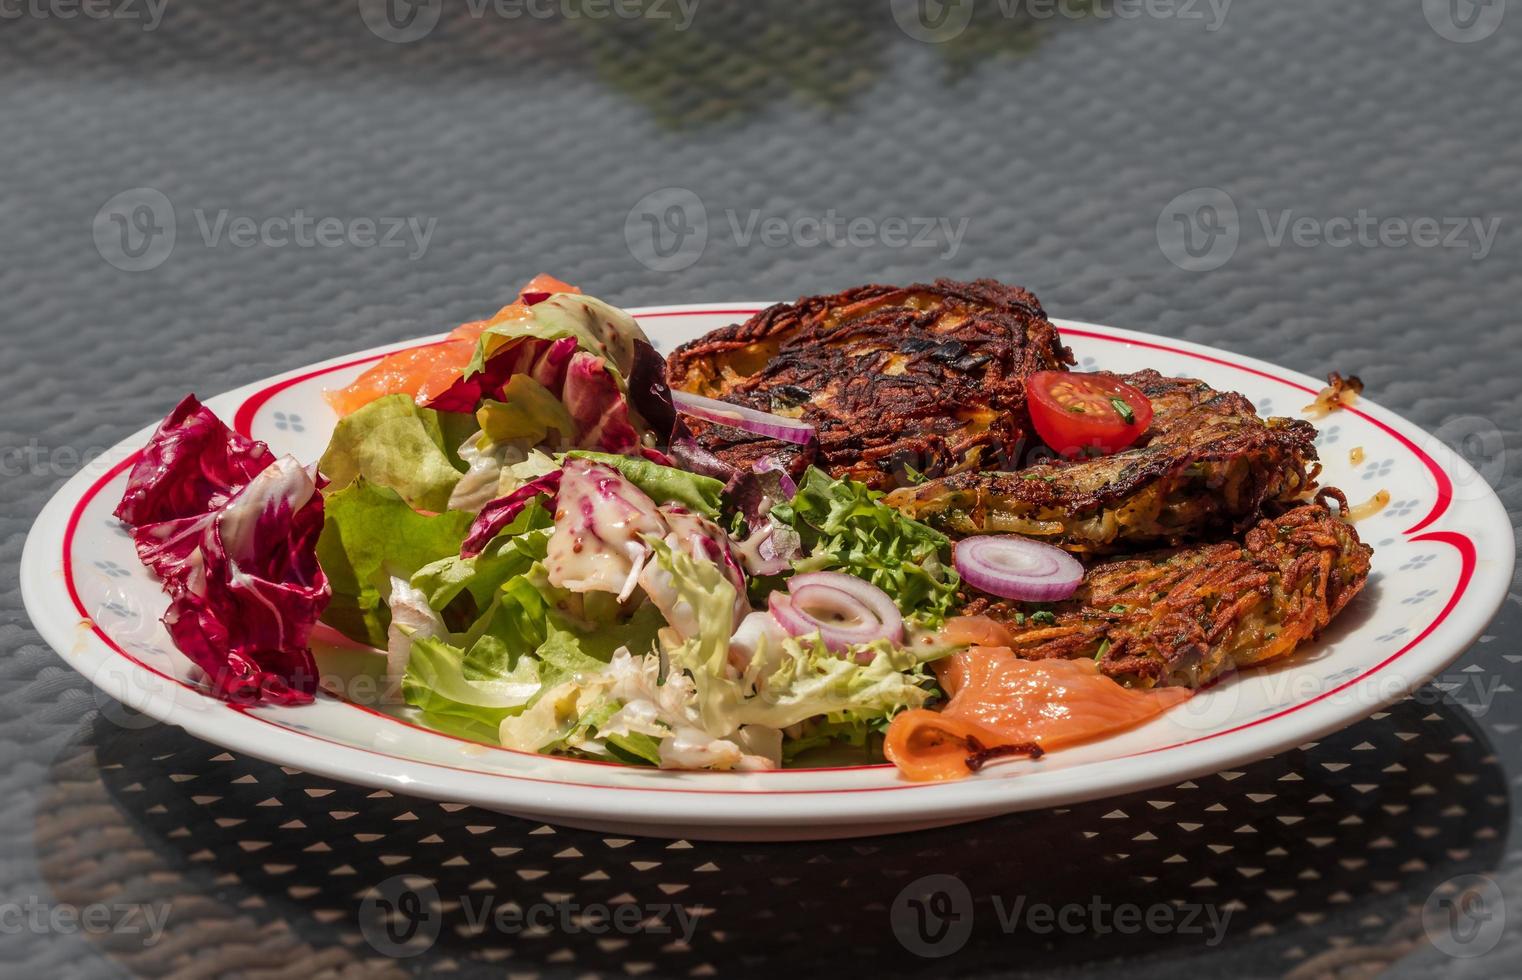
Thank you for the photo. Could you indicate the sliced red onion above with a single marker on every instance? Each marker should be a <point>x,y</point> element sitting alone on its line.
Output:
<point>747,419</point>
<point>844,610</point>
<point>1013,567</point>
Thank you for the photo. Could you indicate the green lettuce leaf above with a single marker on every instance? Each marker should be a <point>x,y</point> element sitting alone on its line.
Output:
<point>599,328</point>
<point>435,684</point>
<point>368,535</point>
<point>664,484</point>
<point>395,443</point>
<point>529,632</point>
<point>529,412</point>
<point>512,552</point>
<point>844,526</point>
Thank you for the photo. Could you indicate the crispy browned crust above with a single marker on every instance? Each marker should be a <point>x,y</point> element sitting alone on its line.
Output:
<point>1207,465</point>
<point>927,379</point>
<point>1186,617</point>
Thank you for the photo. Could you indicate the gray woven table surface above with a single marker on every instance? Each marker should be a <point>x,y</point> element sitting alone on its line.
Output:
<point>1057,151</point>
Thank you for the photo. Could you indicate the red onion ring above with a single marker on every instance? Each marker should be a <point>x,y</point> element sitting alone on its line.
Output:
<point>844,610</point>
<point>747,419</point>
<point>1013,567</point>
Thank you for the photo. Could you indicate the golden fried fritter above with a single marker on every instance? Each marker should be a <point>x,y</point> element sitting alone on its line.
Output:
<point>925,379</point>
<point>1206,465</point>
<point>1182,618</point>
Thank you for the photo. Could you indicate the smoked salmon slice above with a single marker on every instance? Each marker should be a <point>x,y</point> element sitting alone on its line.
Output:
<point>424,372</point>
<point>1002,705</point>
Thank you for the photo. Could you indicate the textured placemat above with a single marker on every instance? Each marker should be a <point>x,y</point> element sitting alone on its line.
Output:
<point>1322,855</point>
<point>1134,169</point>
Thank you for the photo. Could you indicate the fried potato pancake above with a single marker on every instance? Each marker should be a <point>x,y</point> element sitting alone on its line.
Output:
<point>898,381</point>
<point>1206,465</point>
<point>1185,617</point>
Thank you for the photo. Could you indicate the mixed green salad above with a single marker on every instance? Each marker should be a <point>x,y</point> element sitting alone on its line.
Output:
<point>543,566</point>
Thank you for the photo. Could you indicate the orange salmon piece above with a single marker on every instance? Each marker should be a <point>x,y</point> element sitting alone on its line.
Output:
<point>424,372</point>
<point>1002,705</point>
<point>975,631</point>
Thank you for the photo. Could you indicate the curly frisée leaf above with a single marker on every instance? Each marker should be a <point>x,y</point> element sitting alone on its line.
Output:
<point>844,526</point>
<point>785,682</point>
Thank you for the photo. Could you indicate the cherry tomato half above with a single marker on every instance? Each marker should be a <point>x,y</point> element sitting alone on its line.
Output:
<point>1086,414</point>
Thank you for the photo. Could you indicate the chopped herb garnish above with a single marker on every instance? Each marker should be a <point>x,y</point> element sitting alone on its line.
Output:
<point>1123,410</point>
<point>1104,648</point>
<point>1117,608</point>
<point>1019,619</point>
<point>1044,618</point>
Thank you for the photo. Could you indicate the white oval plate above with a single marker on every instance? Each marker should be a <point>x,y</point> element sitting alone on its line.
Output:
<point>1442,564</point>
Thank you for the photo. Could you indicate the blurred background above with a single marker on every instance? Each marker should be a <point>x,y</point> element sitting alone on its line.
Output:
<point>202,194</point>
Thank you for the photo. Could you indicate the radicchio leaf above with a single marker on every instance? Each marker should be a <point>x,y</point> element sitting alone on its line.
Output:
<point>581,380</point>
<point>649,393</point>
<point>190,469</point>
<point>246,616</point>
<point>232,532</point>
<point>601,411</point>
<point>501,512</point>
